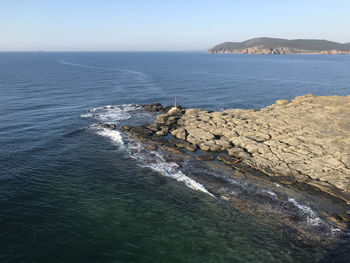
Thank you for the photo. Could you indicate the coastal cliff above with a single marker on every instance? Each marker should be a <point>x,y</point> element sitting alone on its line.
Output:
<point>282,46</point>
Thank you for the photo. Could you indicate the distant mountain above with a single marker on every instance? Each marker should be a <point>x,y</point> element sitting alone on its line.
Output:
<point>265,45</point>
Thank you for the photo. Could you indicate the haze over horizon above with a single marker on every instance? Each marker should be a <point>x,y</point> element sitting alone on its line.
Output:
<point>164,25</point>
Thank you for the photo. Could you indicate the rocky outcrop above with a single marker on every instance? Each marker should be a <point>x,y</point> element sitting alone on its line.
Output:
<point>306,140</point>
<point>155,107</point>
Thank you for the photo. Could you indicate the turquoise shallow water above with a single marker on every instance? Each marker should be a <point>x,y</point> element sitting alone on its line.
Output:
<point>72,193</point>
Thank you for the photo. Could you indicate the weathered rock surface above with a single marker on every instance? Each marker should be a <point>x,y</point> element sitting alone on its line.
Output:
<point>307,139</point>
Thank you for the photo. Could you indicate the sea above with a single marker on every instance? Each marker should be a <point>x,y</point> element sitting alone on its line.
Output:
<point>71,191</point>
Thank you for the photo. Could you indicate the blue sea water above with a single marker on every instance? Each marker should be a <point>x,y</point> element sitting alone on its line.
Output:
<point>71,192</point>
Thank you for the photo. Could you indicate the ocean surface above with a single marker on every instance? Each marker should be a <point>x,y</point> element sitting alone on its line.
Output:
<point>73,192</point>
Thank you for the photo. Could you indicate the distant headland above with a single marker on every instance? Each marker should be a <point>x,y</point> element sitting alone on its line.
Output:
<point>265,45</point>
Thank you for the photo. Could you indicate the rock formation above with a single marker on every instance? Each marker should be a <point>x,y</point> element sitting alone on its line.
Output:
<point>306,140</point>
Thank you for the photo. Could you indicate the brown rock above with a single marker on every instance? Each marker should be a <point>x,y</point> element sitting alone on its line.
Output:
<point>162,118</point>
<point>174,111</point>
<point>191,147</point>
<point>179,133</point>
<point>163,131</point>
<point>282,102</point>
<point>171,120</point>
<point>151,147</point>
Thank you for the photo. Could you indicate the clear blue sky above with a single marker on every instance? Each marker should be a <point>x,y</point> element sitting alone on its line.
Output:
<point>163,24</point>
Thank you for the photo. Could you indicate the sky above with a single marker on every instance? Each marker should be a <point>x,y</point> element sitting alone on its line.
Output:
<point>107,25</point>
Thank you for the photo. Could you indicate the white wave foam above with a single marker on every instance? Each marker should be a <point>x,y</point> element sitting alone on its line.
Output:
<point>155,161</point>
<point>150,159</point>
<point>315,221</point>
<point>113,135</point>
<point>269,192</point>
<point>111,113</point>
<point>311,216</point>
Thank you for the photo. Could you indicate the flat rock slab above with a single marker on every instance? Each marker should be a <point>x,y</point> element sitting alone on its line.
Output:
<point>308,138</point>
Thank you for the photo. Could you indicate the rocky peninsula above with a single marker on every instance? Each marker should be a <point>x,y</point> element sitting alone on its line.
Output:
<point>305,140</point>
<point>302,143</point>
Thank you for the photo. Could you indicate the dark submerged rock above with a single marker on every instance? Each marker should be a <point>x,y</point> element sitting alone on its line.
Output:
<point>155,107</point>
<point>205,157</point>
<point>140,131</point>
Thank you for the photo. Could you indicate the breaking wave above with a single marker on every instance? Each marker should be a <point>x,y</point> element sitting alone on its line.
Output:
<point>156,161</point>
<point>111,113</point>
<point>274,200</point>
<point>114,114</point>
<point>277,201</point>
<point>113,135</point>
<point>311,216</point>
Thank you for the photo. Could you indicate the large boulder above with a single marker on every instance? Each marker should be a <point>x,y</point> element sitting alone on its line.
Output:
<point>213,146</point>
<point>174,111</point>
<point>153,127</point>
<point>191,147</point>
<point>162,118</point>
<point>163,131</point>
<point>179,133</point>
<point>140,131</point>
<point>210,146</point>
<point>204,147</point>
<point>171,120</point>
<point>193,140</point>
<point>223,143</point>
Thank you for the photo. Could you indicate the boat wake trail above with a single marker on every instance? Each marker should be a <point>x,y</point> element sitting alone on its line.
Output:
<point>139,75</point>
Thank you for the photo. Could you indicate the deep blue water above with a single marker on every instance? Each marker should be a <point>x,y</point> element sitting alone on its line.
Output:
<point>68,194</point>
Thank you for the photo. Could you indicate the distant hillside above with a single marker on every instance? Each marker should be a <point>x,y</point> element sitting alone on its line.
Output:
<point>265,45</point>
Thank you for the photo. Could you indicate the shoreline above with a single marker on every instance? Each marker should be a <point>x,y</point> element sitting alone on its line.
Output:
<point>303,143</point>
